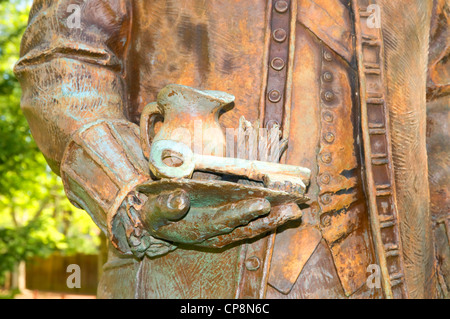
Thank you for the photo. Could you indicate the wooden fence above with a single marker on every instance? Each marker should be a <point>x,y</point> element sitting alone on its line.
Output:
<point>51,274</point>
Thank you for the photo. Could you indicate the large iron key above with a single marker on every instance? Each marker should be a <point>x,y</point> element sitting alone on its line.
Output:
<point>274,175</point>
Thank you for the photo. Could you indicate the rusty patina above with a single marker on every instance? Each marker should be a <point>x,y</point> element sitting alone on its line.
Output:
<point>343,82</point>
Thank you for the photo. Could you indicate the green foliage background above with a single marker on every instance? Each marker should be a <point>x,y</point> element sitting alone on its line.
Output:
<point>36,219</point>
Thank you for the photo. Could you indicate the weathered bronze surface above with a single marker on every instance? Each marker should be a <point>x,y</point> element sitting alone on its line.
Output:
<point>342,83</point>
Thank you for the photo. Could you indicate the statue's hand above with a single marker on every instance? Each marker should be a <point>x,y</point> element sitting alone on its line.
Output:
<point>153,224</point>
<point>169,216</point>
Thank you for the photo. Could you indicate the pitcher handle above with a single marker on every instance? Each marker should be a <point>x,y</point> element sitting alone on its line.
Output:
<point>147,123</point>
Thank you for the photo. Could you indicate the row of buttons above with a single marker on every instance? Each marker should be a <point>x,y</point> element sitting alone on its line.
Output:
<point>278,57</point>
<point>274,110</point>
<point>328,116</point>
<point>334,97</point>
<point>328,76</point>
<point>276,81</point>
<point>280,36</point>
<point>328,137</point>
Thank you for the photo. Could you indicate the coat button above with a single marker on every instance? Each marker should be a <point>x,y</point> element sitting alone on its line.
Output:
<point>279,35</point>
<point>328,96</point>
<point>327,56</point>
<point>281,6</point>
<point>326,158</point>
<point>329,137</point>
<point>327,77</point>
<point>326,221</point>
<point>277,64</point>
<point>325,178</point>
<point>328,116</point>
<point>253,263</point>
<point>274,96</point>
<point>325,199</point>
<point>271,124</point>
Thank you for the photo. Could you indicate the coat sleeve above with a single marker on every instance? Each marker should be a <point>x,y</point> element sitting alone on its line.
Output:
<point>74,97</point>
<point>438,84</point>
<point>438,148</point>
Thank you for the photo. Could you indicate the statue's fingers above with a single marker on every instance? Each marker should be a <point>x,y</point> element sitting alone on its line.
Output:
<point>160,210</point>
<point>120,232</point>
<point>279,215</point>
<point>184,232</point>
<point>233,215</point>
<point>173,206</point>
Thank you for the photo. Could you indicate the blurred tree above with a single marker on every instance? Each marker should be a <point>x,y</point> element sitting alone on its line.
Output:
<point>35,217</point>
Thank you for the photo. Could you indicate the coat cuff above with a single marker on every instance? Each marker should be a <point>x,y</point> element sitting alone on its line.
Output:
<point>101,165</point>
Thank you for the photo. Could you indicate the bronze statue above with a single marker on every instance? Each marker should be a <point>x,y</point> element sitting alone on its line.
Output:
<point>338,86</point>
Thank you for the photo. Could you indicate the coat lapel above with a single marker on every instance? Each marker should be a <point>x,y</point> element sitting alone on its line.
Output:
<point>331,22</point>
